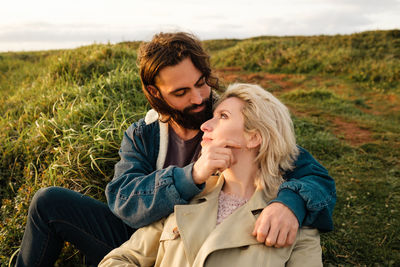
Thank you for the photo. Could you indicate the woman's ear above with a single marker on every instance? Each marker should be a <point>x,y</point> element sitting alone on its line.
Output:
<point>253,140</point>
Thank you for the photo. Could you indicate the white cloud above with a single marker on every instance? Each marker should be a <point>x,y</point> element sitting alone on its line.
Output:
<point>75,21</point>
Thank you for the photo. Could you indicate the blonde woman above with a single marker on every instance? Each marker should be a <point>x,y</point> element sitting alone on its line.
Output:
<point>253,132</point>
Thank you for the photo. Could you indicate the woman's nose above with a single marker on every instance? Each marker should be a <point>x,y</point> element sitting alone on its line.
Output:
<point>206,126</point>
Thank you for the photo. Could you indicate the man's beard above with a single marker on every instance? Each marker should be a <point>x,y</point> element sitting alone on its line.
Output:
<point>189,120</point>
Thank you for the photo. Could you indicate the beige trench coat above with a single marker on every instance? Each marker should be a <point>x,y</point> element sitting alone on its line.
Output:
<point>190,237</point>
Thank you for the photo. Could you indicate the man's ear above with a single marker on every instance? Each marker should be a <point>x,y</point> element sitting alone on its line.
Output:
<point>254,140</point>
<point>154,91</point>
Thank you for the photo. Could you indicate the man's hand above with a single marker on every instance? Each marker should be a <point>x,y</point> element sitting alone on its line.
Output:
<point>215,156</point>
<point>276,226</point>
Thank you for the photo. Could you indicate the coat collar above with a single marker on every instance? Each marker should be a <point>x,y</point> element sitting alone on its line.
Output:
<point>197,223</point>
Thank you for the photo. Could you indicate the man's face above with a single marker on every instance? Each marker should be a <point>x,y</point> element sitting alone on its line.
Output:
<point>184,89</point>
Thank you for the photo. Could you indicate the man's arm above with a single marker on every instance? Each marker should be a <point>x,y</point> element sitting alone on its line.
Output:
<point>307,197</point>
<point>139,194</point>
<point>309,192</point>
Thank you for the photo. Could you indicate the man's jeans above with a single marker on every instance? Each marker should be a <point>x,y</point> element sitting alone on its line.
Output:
<point>57,215</point>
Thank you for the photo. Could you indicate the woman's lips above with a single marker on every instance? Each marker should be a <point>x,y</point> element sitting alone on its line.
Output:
<point>205,140</point>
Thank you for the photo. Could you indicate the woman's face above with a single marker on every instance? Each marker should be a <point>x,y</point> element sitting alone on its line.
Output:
<point>227,123</point>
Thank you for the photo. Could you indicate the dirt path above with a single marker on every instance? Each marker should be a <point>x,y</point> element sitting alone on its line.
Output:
<point>266,80</point>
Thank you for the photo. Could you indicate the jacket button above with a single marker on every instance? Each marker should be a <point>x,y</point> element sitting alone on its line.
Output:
<point>175,231</point>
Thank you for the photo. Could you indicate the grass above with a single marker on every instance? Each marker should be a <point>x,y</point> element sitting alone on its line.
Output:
<point>368,189</point>
<point>370,57</point>
<point>63,113</point>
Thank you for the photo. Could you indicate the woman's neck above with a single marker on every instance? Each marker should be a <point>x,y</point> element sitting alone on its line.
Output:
<point>239,178</point>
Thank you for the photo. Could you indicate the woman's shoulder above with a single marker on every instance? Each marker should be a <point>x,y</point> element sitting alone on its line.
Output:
<point>307,249</point>
<point>308,237</point>
<point>308,232</point>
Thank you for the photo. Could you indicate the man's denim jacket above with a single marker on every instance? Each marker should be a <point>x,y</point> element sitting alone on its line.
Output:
<point>141,192</point>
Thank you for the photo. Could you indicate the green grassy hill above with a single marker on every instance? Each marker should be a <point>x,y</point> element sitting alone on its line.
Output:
<point>63,113</point>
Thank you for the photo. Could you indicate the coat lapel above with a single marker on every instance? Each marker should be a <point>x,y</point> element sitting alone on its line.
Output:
<point>196,221</point>
<point>235,231</point>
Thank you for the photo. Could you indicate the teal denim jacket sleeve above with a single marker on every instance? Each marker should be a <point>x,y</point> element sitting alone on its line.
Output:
<point>309,192</point>
<point>139,194</point>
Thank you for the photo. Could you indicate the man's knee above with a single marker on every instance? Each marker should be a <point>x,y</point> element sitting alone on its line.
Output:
<point>45,198</point>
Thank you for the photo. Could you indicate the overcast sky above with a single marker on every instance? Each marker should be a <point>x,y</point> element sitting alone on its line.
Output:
<point>49,24</point>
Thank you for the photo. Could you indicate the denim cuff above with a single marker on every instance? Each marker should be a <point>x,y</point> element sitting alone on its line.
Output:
<point>294,202</point>
<point>184,182</point>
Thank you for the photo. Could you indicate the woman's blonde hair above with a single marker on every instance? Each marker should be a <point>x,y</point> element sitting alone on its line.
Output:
<point>265,114</point>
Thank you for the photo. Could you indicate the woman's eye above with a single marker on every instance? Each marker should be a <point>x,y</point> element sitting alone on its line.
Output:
<point>223,116</point>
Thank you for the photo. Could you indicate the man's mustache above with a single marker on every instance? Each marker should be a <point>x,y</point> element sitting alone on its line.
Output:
<point>194,106</point>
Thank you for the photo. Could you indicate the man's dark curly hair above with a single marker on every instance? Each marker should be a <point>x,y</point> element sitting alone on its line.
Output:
<point>169,49</point>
